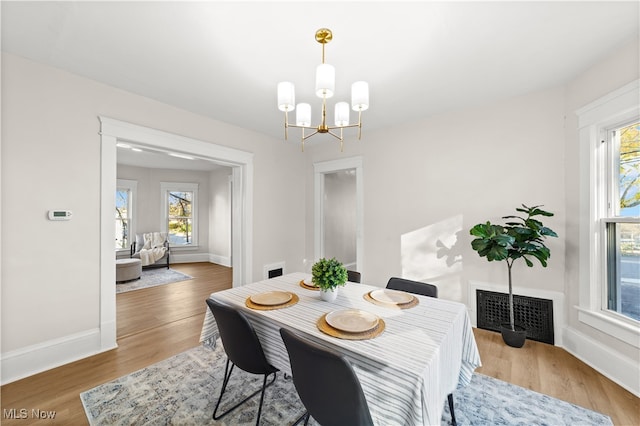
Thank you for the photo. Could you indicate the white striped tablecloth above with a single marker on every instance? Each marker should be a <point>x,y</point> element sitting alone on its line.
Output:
<point>406,372</point>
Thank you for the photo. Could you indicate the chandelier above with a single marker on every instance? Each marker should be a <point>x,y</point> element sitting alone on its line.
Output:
<point>325,86</point>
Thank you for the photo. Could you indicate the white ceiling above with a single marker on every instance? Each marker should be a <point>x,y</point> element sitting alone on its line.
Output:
<point>158,159</point>
<point>224,59</point>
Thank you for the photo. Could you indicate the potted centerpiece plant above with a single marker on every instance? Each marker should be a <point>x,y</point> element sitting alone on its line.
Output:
<point>519,238</point>
<point>328,275</point>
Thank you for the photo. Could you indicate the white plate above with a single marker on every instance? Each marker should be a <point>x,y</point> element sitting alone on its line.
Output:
<point>271,298</point>
<point>352,320</point>
<point>307,281</point>
<point>391,296</point>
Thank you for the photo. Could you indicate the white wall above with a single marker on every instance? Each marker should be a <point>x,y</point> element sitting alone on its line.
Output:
<point>428,182</point>
<point>51,160</point>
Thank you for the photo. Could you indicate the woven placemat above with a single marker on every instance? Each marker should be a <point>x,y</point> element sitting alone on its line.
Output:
<point>370,334</point>
<point>407,305</point>
<point>293,301</point>
<point>308,287</point>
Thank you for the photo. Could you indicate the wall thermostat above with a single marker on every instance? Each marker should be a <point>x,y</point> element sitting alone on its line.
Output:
<point>60,214</point>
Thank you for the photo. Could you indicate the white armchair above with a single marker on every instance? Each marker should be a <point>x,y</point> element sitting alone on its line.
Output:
<point>152,249</point>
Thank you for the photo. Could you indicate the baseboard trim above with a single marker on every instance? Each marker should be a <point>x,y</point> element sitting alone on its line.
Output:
<point>220,260</point>
<point>35,359</point>
<point>201,257</point>
<point>611,364</point>
<point>189,257</point>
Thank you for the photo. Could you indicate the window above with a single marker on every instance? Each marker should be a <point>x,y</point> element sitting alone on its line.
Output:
<point>123,211</point>
<point>621,231</point>
<point>609,215</point>
<point>179,213</point>
<point>125,195</point>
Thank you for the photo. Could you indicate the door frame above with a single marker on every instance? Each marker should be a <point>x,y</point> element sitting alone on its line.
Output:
<point>113,131</point>
<point>325,167</point>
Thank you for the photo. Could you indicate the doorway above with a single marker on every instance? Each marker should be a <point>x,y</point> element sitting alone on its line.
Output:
<point>241,163</point>
<point>338,218</point>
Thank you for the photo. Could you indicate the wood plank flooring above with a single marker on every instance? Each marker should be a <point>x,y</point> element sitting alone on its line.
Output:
<point>157,323</point>
<point>555,372</point>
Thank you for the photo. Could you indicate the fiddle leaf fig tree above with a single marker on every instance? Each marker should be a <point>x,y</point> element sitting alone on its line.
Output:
<point>520,237</point>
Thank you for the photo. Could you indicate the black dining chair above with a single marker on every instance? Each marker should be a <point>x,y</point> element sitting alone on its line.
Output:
<point>424,289</point>
<point>243,349</point>
<point>353,276</point>
<point>415,287</point>
<point>326,383</point>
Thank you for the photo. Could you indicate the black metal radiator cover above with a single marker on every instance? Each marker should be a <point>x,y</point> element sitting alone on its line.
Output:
<point>535,315</point>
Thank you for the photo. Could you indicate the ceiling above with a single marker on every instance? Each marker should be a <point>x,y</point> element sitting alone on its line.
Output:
<point>224,59</point>
<point>155,158</point>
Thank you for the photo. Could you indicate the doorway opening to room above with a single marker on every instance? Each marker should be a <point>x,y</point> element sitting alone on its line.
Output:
<point>237,166</point>
<point>338,221</point>
<point>186,202</point>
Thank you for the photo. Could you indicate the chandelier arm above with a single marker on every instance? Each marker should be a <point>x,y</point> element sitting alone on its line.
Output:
<point>339,137</point>
<point>342,127</point>
<point>302,127</point>
<point>309,135</point>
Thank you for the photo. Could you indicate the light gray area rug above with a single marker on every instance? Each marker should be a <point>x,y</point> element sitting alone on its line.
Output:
<point>182,390</point>
<point>152,278</point>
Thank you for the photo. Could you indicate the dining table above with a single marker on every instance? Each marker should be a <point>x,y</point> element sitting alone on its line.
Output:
<point>420,353</point>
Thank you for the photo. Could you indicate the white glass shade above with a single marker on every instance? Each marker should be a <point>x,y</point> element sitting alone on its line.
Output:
<point>342,114</point>
<point>325,80</point>
<point>286,96</point>
<point>360,96</point>
<point>303,115</point>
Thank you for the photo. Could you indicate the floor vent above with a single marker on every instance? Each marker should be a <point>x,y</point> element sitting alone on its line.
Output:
<point>535,315</point>
<point>273,270</point>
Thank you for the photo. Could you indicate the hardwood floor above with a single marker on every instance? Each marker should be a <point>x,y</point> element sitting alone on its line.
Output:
<point>157,323</point>
<point>553,371</point>
<point>153,324</point>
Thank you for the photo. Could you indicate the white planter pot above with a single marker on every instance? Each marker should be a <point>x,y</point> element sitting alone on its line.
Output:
<point>329,295</point>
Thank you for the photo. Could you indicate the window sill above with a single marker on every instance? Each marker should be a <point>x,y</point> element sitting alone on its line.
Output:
<point>620,329</point>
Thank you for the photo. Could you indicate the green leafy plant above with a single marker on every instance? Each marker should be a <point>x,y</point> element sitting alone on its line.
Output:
<point>328,274</point>
<point>519,238</point>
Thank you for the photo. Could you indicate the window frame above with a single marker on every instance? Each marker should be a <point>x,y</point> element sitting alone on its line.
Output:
<point>132,187</point>
<point>595,121</point>
<point>610,214</point>
<point>165,188</point>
